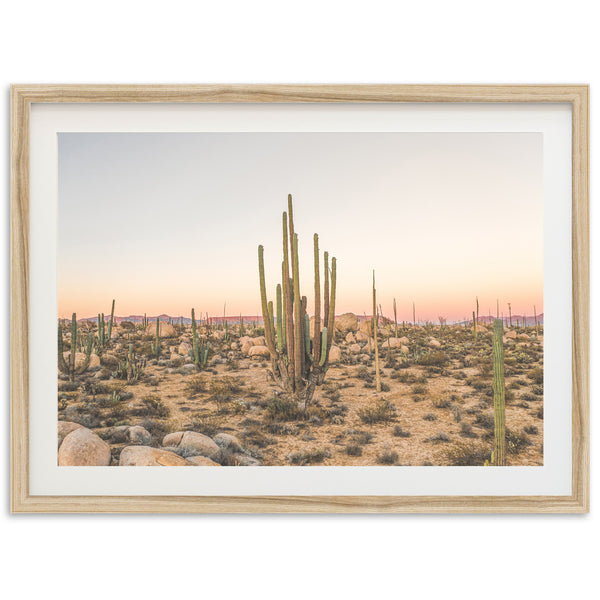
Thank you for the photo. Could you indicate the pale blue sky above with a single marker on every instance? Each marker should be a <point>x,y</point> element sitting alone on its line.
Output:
<point>166,221</point>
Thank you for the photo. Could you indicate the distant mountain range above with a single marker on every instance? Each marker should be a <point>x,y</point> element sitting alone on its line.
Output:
<point>175,320</point>
<point>529,321</point>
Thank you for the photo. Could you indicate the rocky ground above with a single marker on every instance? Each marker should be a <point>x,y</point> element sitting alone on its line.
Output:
<point>435,407</point>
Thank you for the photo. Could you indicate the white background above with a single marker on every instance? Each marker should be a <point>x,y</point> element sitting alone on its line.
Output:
<point>297,556</point>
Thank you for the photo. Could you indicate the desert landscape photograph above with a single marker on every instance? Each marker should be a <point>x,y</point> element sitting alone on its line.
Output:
<point>300,299</point>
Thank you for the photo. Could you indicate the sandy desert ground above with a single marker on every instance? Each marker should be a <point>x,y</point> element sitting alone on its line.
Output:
<point>435,407</point>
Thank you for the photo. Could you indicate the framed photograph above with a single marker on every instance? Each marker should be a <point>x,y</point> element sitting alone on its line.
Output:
<point>347,298</point>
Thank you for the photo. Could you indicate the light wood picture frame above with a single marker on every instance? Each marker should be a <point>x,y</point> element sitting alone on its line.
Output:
<point>22,99</point>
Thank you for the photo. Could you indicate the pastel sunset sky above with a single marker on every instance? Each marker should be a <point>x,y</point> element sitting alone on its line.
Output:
<point>163,222</point>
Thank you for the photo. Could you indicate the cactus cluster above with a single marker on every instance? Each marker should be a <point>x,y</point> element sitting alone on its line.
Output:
<point>104,333</point>
<point>199,350</point>
<point>70,368</point>
<point>131,368</point>
<point>299,357</point>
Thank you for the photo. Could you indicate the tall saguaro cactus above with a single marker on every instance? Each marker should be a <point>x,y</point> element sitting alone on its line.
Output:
<point>70,368</point>
<point>299,357</point>
<point>156,342</point>
<point>110,323</point>
<point>499,455</point>
<point>375,320</point>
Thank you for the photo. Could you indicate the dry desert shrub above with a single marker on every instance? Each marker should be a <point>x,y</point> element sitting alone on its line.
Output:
<point>381,411</point>
<point>461,454</point>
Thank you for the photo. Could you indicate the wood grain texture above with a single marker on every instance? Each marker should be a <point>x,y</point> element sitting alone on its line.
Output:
<point>22,96</point>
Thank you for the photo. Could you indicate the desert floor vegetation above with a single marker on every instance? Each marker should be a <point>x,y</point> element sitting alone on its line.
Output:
<point>151,386</point>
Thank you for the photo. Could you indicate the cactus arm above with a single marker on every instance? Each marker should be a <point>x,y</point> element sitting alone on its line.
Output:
<point>289,309</point>
<point>157,339</point>
<point>325,288</point>
<point>499,458</point>
<point>317,323</point>
<point>331,320</point>
<point>194,353</point>
<point>280,340</point>
<point>307,337</point>
<point>110,323</point>
<point>62,363</point>
<point>298,329</point>
<point>271,320</point>
<point>375,319</point>
<point>324,351</point>
<point>73,345</point>
<point>269,335</point>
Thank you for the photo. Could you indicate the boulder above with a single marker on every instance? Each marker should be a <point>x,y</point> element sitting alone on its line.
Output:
<point>395,342</point>
<point>83,448</point>
<point>119,435</point>
<point>362,337</point>
<point>165,329</point>
<point>173,439</point>
<point>260,351</point>
<point>65,428</point>
<point>80,358</point>
<point>354,349</point>
<point>84,414</point>
<point>228,442</point>
<point>246,347</point>
<point>202,461</point>
<point>138,435</point>
<point>404,349</point>
<point>335,354</point>
<point>184,348</point>
<point>523,336</point>
<point>346,323</point>
<point>350,339</point>
<point>144,456</point>
<point>366,327</point>
<point>510,335</point>
<point>433,343</point>
<point>192,443</point>
<point>243,460</point>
